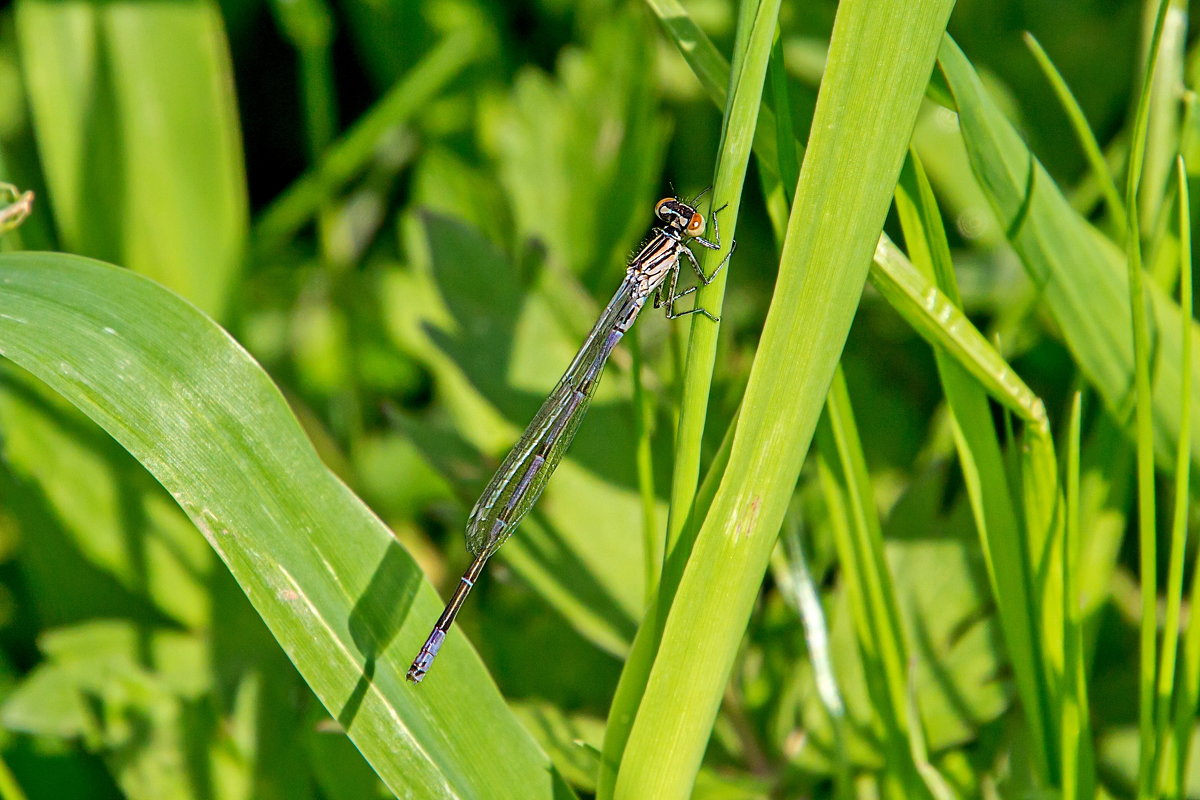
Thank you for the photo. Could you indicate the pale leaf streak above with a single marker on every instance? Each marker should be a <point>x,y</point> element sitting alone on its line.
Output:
<point>743,525</point>
<point>331,635</point>
<point>333,573</point>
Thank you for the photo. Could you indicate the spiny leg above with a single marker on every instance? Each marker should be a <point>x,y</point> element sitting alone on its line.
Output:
<point>672,295</point>
<point>707,279</point>
<point>696,310</point>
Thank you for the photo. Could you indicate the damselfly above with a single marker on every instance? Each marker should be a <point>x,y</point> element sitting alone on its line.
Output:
<point>521,478</point>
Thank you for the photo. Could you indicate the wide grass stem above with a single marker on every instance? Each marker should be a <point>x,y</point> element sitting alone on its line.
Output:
<point>1144,426</point>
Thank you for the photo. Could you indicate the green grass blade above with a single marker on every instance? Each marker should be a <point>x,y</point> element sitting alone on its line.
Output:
<point>653,547</point>
<point>1078,761</point>
<point>1043,521</point>
<point>857,147</point>
<point>1166,688</point>
<point>858,537</point>
<point>1083,132</point>
<point>914,297</point>
<point>939,321</point>
<point>1163,84</point>
<point>710,68</point>
<point>994,500</point>
<point>137,128</point>
<point>889,675</point>
<point>934,782</point>
<point>1144,424</point>
<point>785,135</point>
<point>733,159</point>
<point>342,597</point>
<point>1188,694</point>
<point>856,526</point>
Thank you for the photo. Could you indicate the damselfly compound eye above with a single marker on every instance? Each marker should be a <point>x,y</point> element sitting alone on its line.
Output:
<point>695,225</point>
<point>660,207</point>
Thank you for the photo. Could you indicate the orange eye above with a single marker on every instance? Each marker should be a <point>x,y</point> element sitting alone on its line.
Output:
<point>658,207</point>
<point>696,225</point>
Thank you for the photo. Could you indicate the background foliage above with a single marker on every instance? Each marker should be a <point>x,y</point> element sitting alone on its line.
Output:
<point>409,214</point>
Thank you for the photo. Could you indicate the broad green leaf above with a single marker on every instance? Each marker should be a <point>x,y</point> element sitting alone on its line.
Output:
<point>137,130</point>
<point>339,594</point>
<point>714,785</point>
<point>107,523</point>
<point>339,769</point>
<point>134,118</point>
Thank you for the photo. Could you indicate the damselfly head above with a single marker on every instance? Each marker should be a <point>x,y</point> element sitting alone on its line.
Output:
<point>674,211</point>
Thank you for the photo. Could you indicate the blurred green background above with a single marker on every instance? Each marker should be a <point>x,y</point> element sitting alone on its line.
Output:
<point>409,213</point>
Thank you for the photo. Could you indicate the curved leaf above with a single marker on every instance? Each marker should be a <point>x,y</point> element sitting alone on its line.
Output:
<point>327,577</point>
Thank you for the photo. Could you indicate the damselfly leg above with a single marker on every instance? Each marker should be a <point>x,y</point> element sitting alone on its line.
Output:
<point>666,294</point>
